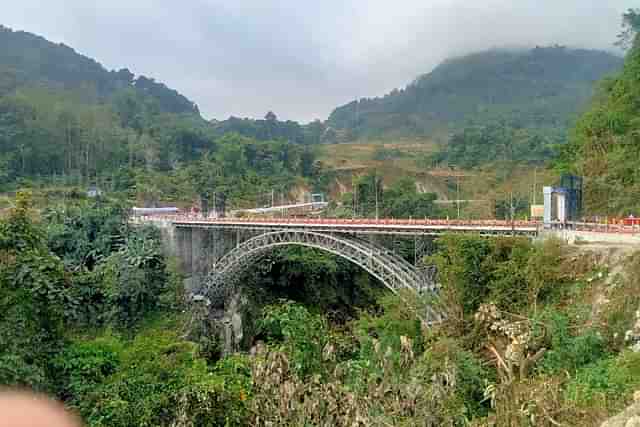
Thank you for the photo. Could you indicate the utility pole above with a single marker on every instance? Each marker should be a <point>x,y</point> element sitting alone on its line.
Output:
<point>458,194</point>
<point>535,186</point>
<point>504,181</point>
<point>355,199</point>
<point>273,196</point>
<point>512,211</point>
<point>375,188</point>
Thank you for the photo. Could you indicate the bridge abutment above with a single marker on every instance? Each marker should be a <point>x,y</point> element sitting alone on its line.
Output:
<point>183,249</point>
<point>196,249</point>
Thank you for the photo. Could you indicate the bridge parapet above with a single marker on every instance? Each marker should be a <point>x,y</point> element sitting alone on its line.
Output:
<point>367,226</point>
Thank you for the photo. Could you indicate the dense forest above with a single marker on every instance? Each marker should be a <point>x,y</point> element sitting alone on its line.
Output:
<point>95,315</point>
<point>604,145</point>
<point>30,60</point>
<point>539,88</point>
<point>65,120</point>
<point>496,142</point>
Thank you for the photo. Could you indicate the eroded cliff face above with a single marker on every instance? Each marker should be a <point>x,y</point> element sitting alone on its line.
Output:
<point>232,323</point>
<point>221,326</point>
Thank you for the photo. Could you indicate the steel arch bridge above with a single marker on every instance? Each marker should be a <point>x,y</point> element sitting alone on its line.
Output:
<point>392,270</point>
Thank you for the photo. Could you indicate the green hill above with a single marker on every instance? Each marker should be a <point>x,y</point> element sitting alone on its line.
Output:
<point>604,146</point>
<point>66,121</point>
<point>63,114</point>
<point>27,60</point>
<point>535,88</point>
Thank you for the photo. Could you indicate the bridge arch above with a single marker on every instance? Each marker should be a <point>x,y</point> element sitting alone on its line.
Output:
<point>393,271</point>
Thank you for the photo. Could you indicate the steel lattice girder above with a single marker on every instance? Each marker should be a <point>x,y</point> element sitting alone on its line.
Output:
<point>393,271</point>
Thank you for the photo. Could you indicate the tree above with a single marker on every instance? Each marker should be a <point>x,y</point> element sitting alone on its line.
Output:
<point>270,117</point>
<point>85,233</point>
<point>231,155</point>
<point>271,124</point>
<point>400,200</point>
<point>5,171</point>
<point>156,379</point>
<point>314,131</point>
<point>604,143</point>
<point>304,334</point>
<point>134,278</point>
<point>630,28</point>
<point>33,298</point>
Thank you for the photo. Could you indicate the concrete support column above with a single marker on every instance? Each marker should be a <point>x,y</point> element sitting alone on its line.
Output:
<point>168,239</point>
<point>183,238</point>
<point>204,248</point>
<point>198,257</point>
<point>217,245</point>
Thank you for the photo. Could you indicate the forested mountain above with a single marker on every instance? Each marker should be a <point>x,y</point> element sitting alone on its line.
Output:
<point>30,60</point>
<point>537,88</point>
<point>64,114</point>
<point>65,118</point>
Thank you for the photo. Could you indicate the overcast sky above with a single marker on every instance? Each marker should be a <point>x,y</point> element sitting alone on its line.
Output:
<point>302,58</point>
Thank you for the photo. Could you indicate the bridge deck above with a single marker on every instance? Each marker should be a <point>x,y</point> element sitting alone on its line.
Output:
<point>365,226</point>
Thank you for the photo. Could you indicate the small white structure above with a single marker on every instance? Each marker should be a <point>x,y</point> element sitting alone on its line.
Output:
<point>317,198</point>
<point>155,211</point>
<point>93,191</point>
<point>556,206</point>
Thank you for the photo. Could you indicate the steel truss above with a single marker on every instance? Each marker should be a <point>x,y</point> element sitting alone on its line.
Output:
<point>393,271</point>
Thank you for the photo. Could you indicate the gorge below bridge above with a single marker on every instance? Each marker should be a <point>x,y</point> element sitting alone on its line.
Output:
<point>214,253</point>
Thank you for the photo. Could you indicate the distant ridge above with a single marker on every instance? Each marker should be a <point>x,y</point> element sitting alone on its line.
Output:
<point>539,87</point>
<point>28,60</point>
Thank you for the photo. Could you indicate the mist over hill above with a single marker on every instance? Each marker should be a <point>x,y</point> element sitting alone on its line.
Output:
<point>54,98</point>
<point>543,87</point>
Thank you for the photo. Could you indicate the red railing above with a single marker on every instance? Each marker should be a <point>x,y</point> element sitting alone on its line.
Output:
<point>629,225</point>
<point>191,217</point>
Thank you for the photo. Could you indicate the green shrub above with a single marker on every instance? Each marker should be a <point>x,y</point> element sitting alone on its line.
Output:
<point>154,380</point>
<point>608,382</point>
<point>567,353</point>
<point>385,331</point>
<point>471,376</point>
<point>462,273</point>
<point>302,335</point>
<point>34,296</point>
<point>85,365</point>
